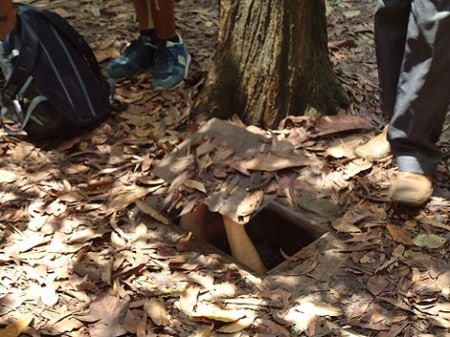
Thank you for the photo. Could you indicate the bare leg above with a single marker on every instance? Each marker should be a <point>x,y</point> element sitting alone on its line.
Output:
<point>164,18</point>
<point>143,14</point>
<point>242,247</point>
<point>7,17</point>
<point>195,221</point>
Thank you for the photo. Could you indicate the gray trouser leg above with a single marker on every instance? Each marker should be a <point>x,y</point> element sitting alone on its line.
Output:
<point>391,23</point>
<point>423,85</point>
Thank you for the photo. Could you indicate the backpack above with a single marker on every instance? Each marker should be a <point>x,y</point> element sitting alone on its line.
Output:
<point>53,85</point>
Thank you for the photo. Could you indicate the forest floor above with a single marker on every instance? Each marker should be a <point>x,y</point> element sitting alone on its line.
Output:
<point>83,252</point>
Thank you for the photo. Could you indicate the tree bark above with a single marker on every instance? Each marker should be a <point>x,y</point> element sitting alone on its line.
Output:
<point>272,61</point>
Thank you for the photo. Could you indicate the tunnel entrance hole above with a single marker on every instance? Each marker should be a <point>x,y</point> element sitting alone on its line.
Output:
<point>274,232</point>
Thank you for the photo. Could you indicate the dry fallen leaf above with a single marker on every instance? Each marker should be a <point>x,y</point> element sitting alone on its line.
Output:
<point>195,184</point>
<point>346,223</point>
<point>308,266</point>
<point>400,235</point>
<point>154,213</point>
<point>194,308</point>
<point>16,328</point>
<point>240,324</point>
<point>156,310</point>
<point>377,283</point>
<point>323,327</point>
<point>127,196</point>
<point>430,241</point>
<point>327,125</point>
<point>271,162</point>
<point>65,325</point>
<point>216,313</point>
<point>49,296</point>
<point>110,313</point>
<point>141,328</point>
<point>355,167</point>
<point>344,147</point>
<point>32,240</point>
<point>7,176</point>
<point>303,314</point>
<point>82,236</point>
<point>188,299</point>
<point>352,13</point>
<point>183,242</point>
<point>203,331</point>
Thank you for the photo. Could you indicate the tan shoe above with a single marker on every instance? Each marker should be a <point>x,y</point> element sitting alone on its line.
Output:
<point>377,148</point>
<point>411,189</point>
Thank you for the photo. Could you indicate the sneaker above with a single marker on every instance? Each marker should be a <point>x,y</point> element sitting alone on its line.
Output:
<point>137,57</point>
<point>171,65</point>
<point>377,148</point>
<point>411,189</point>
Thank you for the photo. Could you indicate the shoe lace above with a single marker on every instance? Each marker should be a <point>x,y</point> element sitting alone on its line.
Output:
<point>136,44</point>
<point>165,57</point>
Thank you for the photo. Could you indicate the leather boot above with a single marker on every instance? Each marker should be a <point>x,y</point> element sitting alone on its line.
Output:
<point>411,189</point>
<point>377,148</point>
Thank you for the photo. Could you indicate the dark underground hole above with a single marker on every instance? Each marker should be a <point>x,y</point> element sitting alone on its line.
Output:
<point>273,229</point>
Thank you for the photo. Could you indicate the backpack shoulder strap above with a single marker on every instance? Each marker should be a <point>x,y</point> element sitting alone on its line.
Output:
<point>25,60</point>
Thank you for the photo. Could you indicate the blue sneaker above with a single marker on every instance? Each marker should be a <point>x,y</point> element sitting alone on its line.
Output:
<point>171,64</point>
<point>137,57</point>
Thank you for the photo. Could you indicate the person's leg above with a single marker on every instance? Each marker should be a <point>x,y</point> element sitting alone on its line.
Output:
<point>164,19</point>
<point>424,88</point>
<point>143,12</point>
<point>390,28</point>
<point>423,97</point>
<point>139,55</point>
<point>171,58</point>
<point>7,17</point>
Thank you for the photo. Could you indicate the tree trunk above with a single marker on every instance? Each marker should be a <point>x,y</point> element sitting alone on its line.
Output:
<point>272,61</point>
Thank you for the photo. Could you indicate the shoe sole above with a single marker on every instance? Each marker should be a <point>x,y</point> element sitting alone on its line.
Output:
<point>132,74</point>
